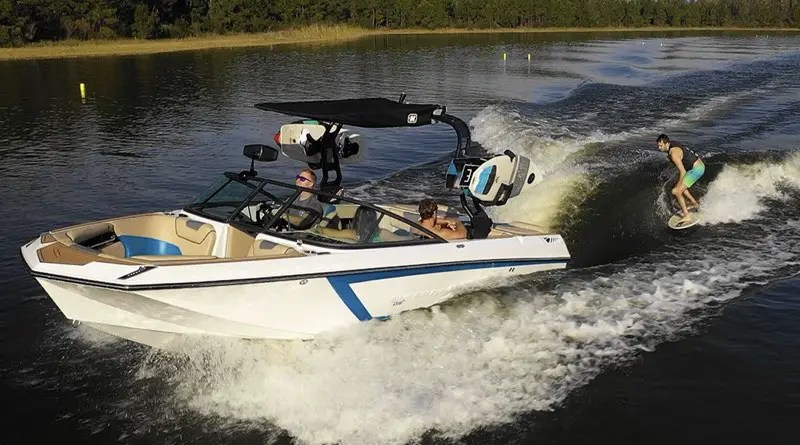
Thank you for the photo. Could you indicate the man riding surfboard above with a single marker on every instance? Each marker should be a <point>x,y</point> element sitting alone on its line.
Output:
<point>691,168</point>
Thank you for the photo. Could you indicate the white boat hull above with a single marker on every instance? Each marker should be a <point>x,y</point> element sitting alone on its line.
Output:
<point>297,309</point>
<point>295,298</point>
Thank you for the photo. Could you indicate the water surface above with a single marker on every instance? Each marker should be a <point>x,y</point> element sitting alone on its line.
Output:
<point>650,335</point>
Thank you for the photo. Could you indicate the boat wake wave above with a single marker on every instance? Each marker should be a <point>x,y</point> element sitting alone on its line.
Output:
<point>478,361</point>
<point>609,181</point>
<point>739,191</point>
<point>491,355</point>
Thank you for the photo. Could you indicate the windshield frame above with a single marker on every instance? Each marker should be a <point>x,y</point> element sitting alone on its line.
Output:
<point>257,184</point>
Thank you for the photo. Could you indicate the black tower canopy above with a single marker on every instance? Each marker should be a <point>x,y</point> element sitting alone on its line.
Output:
<point>369,112</point>
<point>385,113</point>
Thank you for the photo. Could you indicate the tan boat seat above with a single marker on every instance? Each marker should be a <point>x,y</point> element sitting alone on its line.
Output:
<point>189,236</point>
<point>202,235</point>
<point>267,248</point>
<point>157,235</point>
<point>517,228</point>
<point>84,233</point>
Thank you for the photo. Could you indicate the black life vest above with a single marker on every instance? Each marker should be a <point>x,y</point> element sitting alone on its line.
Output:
<point>689,157</point>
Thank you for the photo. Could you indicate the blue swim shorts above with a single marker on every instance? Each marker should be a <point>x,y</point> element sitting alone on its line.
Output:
<point>694,174</point>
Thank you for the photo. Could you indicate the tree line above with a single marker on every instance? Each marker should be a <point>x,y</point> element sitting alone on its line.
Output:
<point>26,21</point>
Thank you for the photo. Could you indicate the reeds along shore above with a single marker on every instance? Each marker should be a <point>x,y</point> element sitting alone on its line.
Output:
<point>308,34</point>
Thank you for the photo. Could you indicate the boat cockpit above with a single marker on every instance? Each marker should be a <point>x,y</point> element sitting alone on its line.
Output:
<point>259,205</point>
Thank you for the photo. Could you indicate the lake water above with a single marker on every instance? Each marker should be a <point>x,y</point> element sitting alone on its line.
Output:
<point>651,336</point>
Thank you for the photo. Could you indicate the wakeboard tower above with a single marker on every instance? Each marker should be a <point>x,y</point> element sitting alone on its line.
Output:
<point>321,141</point>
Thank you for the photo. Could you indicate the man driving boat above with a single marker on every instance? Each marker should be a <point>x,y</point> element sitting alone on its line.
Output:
<point>306,209</point>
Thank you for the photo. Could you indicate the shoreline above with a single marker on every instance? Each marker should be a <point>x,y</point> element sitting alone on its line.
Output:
<point>308,35</point>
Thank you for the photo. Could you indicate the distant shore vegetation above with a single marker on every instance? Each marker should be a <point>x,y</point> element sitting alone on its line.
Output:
<point>24,22</point>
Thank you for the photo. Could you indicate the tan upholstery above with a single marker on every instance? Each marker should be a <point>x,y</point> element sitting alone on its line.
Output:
<point>75,254</point>
<point>84,233</point>
<point>77,235</point>
<point>516,228</point>
<point>346,211</point>
<point>158,226</point>
<point>194,231</point>
<point>192,237</point>
<point>61,237</point>
<point>173,257</point>
<point>116,250</point>
<point>393,224</point>
<point>239,243</point>
<point>264,248</point>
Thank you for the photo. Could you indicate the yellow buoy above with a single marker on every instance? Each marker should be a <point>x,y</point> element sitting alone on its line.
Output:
<point>505,56</point>
<point>83,91</point>
<point>529,57</point>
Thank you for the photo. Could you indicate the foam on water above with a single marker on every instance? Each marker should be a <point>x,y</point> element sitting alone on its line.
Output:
<point>555,147</point>
<point>549,145</point>
<point>738,192</point>
<point>480,360</point>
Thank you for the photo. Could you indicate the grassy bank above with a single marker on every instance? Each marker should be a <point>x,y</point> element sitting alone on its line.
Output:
<point>309,34</point>
<point>90,48</point>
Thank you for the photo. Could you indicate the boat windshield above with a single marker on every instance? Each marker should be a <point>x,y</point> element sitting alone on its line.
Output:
<point>233,198</point>
<point>291,212</point>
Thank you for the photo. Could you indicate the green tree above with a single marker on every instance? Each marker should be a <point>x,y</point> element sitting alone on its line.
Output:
<point>145,22</point>
<point>795,13</point>
<point>691,16</point>
<point>632,14</point>
<point>10,24</point>
<point>32,20</point>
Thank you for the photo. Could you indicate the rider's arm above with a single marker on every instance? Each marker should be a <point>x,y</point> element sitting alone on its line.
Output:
<point>447,222</point>
<point>458,232</point>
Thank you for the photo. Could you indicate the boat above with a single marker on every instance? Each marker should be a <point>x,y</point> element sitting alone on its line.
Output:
<point>233,263</point>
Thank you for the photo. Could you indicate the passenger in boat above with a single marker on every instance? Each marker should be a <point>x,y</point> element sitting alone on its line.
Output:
<point>306,210</point>
<point>691,169</point>
<point>364,229</point>
<point>445,227</point>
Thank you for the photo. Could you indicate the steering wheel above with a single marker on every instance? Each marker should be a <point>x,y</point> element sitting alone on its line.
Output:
<point>265,212</point>
<point>312,216</point>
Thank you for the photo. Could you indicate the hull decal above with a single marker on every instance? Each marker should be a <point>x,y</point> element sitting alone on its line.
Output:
<point>342,284</point>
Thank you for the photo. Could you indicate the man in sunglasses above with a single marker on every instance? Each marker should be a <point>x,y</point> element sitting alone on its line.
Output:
<point>306,209</point>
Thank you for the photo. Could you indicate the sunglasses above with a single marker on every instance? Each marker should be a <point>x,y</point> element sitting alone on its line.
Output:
<point>302,178</point>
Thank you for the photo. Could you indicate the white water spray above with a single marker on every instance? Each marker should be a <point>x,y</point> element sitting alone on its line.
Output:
<point>738,192</point>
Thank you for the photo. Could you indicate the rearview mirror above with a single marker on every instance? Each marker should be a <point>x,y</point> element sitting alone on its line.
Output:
<point>261,152</point>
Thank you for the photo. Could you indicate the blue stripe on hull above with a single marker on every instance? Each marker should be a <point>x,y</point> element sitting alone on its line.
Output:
<point>342,283</point>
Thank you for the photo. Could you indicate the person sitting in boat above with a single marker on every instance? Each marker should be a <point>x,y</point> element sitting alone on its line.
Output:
<point>445,227</point>
<point>306,210</point>
<point>364,228</point>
